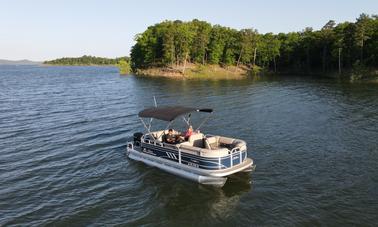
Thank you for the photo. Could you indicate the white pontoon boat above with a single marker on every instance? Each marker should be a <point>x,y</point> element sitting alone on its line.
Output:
<point>207,159</point>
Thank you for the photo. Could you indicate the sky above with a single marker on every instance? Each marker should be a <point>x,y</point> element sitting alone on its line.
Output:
<point>47,29</point>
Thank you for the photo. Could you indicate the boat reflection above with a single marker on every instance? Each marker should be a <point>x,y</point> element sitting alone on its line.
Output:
<point>224,201</point>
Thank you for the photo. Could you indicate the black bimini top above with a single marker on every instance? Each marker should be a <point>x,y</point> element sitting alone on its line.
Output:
<point>169,113</point>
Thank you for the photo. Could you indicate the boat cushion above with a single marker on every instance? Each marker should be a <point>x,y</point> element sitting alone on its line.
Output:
<point>191,148</point>
<point>211,143</point>
<point>196,140</point>
<point>226,140</point>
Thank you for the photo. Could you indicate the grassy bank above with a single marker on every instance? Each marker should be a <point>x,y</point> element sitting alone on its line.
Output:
<point>196,71</point>
<point>216,72</point>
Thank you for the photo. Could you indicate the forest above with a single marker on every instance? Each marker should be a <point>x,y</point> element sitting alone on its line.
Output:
<point>86,60</point>
<point>333,48</point>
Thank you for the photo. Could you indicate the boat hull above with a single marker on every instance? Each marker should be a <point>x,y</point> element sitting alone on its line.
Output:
<point>204,176</point>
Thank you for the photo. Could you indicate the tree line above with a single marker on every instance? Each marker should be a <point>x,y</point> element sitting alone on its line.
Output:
<point>333,47</point>
<point>87,60</point>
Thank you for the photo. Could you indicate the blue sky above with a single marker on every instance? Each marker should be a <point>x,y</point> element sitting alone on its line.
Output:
<point>48,29</point>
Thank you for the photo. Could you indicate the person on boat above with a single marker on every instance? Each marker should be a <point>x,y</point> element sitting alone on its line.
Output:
<point>188,132</point>
<point>185,136</point>
<point>170,137</point>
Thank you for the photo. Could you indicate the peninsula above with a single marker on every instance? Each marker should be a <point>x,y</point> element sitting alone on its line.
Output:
<point>197,49</point>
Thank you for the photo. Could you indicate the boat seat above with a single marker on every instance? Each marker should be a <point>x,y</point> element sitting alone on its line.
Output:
<point>196,140</point>
<point>187,148</point>
<point>226,140</point>
<point>190,149</point>
<point>212,143</point>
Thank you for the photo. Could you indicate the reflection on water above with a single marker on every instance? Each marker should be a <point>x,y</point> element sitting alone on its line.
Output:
<point>63,134</point>
<point>225,200</point>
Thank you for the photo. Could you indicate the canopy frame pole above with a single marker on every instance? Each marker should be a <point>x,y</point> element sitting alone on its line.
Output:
<point>147,128</point>
<point>187,121</point>
<point>207,118</point>
<point>155,101</point>
<point>150,124</point>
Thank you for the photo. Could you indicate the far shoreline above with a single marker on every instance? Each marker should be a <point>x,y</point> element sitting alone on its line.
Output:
<point>44,64</point>
<point>217,72</point>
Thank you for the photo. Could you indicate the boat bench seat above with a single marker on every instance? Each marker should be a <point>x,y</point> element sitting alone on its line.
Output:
<point>218,142</point>
<point>212,143</point>
<point>190,149</point>
<point>187,148</point>
<point>196,140</point>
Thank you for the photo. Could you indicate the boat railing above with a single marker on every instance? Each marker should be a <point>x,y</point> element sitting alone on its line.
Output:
<point>230,155</point>
<point>236,150</point>
<point>152,142</point>
<point>160,144</point>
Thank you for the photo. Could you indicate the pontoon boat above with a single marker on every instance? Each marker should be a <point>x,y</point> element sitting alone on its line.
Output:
<point>204,158</point>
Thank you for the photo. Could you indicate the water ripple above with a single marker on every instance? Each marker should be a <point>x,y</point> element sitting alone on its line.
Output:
<point>63,133</point>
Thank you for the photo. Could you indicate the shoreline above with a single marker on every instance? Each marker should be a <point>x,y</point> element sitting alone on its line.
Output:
<point>43,64</point>
<point>216,72</point>
<point>195,71</point>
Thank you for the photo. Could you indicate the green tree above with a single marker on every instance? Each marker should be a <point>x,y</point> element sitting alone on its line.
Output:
<point>201,40</point>
<point>247,40</point>
<point>124,66</point>
<point>327,38</point>
<point>362,33</point>
<point>216,44</point>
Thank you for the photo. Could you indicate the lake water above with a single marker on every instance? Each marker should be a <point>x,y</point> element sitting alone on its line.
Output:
<point>63,135</point>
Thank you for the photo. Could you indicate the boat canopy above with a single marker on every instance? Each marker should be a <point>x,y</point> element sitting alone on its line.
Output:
<point>169,113</point>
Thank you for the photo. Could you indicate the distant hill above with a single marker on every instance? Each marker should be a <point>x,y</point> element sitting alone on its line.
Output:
<point>86,60</point>
<point>18,62</point>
